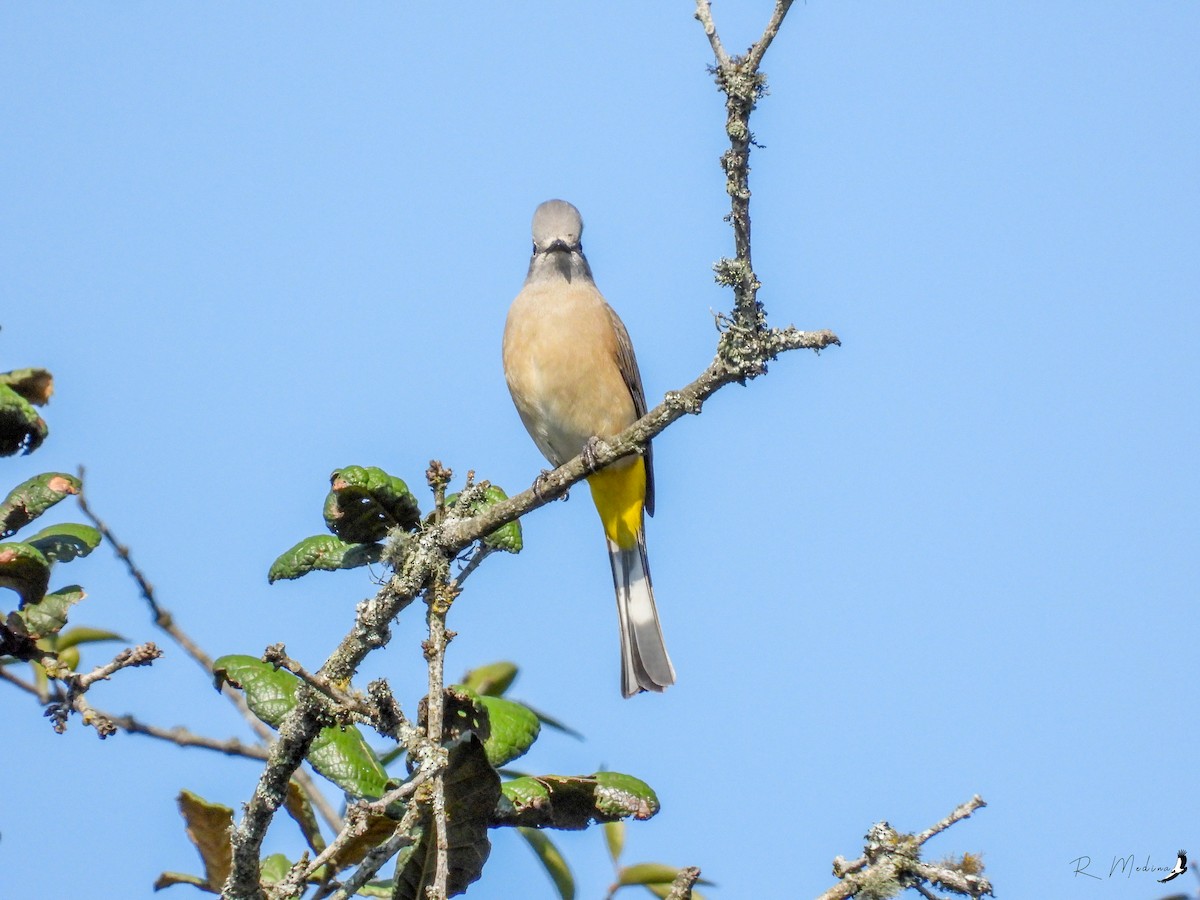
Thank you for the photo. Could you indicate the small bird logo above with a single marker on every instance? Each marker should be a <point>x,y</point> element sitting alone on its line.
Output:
<point>1180,868</point>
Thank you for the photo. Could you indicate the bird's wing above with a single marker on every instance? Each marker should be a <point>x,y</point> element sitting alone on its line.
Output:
<point>627,363</point>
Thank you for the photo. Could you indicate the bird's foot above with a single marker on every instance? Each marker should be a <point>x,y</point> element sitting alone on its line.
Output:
<point>539,485</point>
<point>592,449</point>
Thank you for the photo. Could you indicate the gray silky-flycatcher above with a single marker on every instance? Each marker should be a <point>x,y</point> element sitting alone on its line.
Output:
<point>573,376</point>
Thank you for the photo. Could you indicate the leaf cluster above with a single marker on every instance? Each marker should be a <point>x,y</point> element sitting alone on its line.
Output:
<point>35,631</point>
<point>364,505</point>
<point>485,731</point>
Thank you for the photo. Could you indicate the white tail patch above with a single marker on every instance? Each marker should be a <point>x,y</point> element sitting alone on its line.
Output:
<point>645,665</point>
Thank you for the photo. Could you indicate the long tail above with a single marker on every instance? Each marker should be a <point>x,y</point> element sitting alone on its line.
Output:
<point>645,665</point>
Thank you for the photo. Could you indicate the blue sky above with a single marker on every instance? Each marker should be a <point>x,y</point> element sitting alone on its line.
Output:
<point>956,555</point>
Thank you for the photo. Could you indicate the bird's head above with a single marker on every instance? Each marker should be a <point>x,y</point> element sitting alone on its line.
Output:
<point>557,227</point>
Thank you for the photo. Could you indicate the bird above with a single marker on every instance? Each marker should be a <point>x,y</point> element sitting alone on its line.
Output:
<point>574,379</point>
<point>1180,868</point>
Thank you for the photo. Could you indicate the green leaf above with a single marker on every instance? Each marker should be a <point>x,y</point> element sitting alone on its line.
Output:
<point>346,759</point>
<point>573,802</point>
<point>31,498</point>
<point>341,755</point>
<point>526,792</point>
<point>507,729</point>
<point>34,385</point>
<point>69,658</point>
<point>322,552</point>
<point>25,570</point>
<point>49,615</point>
<point>365,503</point>
<point>65,542</point>
<point>493,679</point>
<point>514,729</point>
<point>274,868</point>
<point>614,837</point>
<point>506,537</point>
<point>647,873</point>
<point>82,634</point>
<point>22,430</point>
<point>270,692</point>
<point>472,791</point>
<point>556,866</point>
<point>208,827</point>
<point>623,795</point>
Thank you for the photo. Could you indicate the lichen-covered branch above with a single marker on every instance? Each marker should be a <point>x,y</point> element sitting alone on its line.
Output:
<point>438,598</point>
<point>747,344</point>
<point>400,838</point>
<point>372,629</point>
<point>358,817</point>
<point>747,358</point>
<point>681,887</point>
<point>379,710</point>
<point>891,861</point>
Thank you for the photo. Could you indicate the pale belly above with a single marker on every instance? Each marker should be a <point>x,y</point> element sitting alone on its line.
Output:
<point>561,365</point>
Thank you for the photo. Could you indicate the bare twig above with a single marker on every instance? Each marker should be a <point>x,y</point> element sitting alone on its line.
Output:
<point>704,16</point>
<point>179,736</point>
<point>755,54</point>
<point>141,655</point>
<point>962,811</point>
<point>277,656</point>
<point>482,552</point>
<point>69,698</point>
<point>58,712</point>
<point>182,737</point>
<point>164,620</point>
<point>28,686</point>
<point>404,791</point>
<point>122,552</point>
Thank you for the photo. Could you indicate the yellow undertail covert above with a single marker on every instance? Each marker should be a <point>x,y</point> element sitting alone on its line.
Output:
<point>618,493</point>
